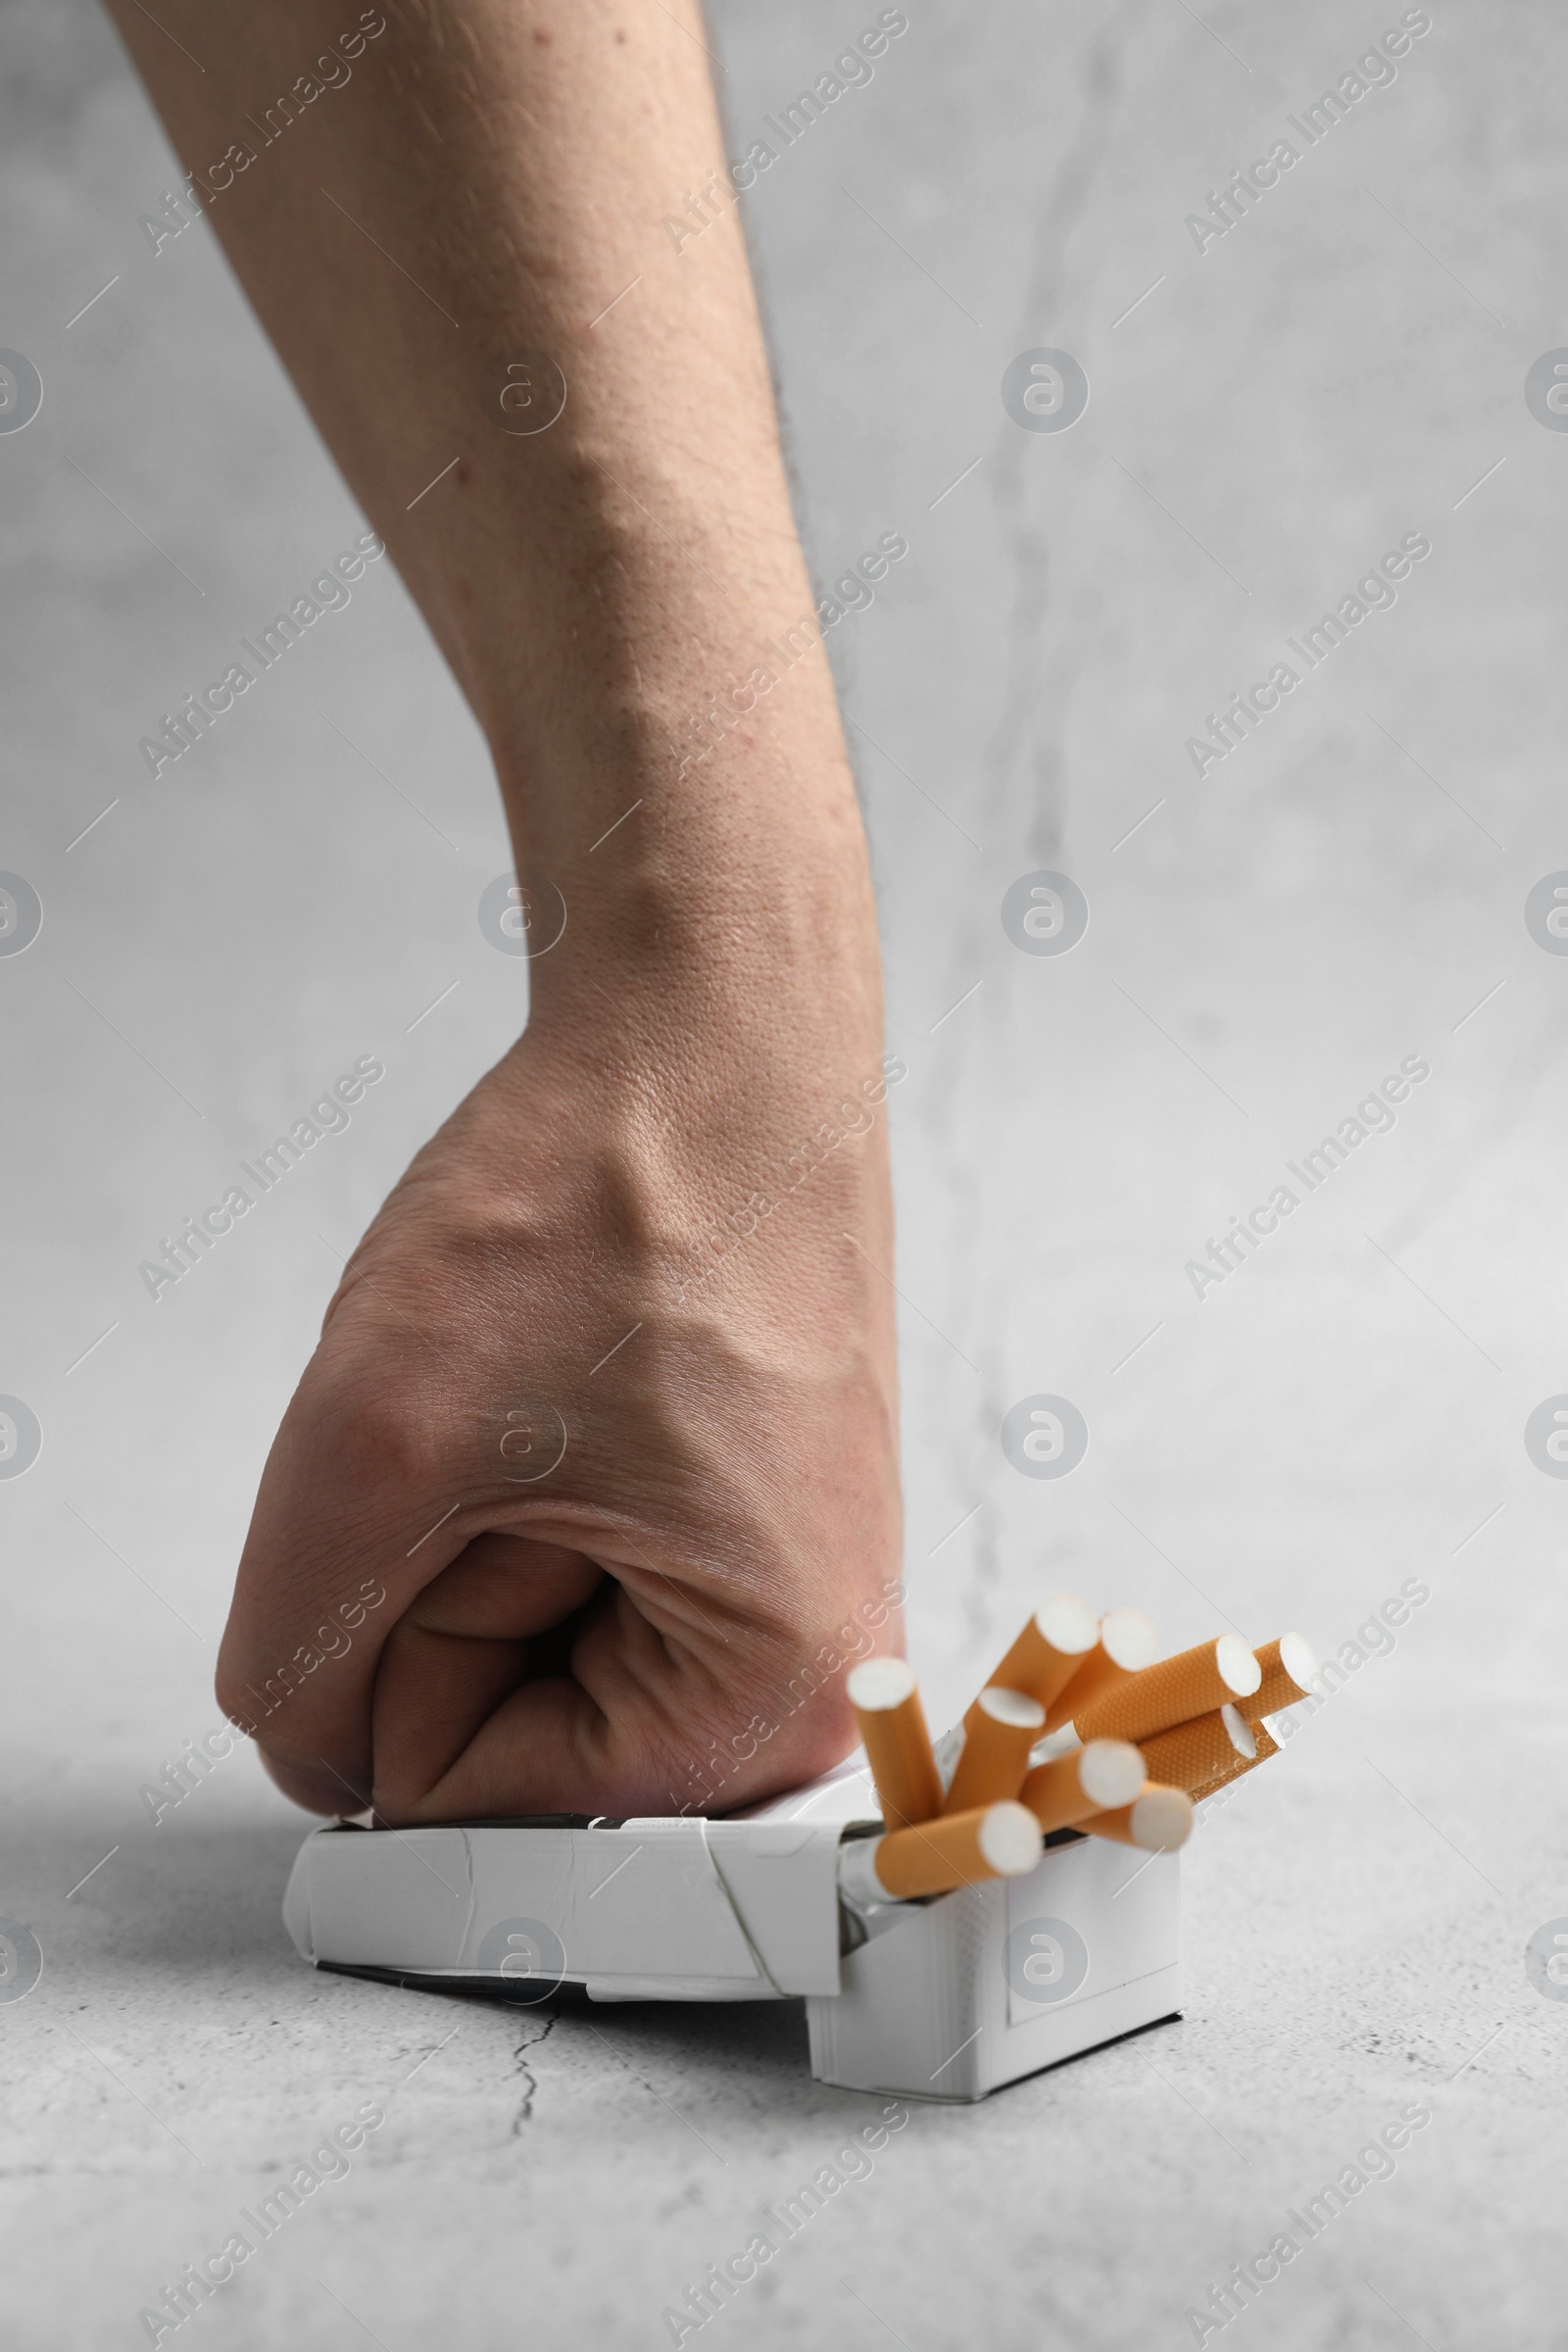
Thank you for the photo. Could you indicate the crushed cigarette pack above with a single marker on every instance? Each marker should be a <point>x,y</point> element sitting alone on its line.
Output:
<point>945,1998</point>
<point>955,1915</point>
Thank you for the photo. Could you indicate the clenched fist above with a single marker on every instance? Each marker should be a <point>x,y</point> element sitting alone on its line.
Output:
<point>605,1406</point>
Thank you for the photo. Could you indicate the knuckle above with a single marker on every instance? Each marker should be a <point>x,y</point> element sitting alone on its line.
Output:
<point>391,1429</point>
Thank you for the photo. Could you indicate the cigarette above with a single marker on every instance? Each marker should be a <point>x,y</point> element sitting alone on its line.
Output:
<point>1127,1642</point>
<point>898,1746</point>
<point>1159,1820</point>
<point>993,1841</point>
<point>1287,1666</point>
<point>1049,1650</point>
<point>1206,1750</point>
<point>1264,1747</point>
<point>998,1730</point>
<point>1193,1682</point>
<point>1097,1778</point>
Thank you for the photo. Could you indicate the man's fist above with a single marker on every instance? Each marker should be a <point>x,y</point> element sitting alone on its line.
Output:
<point>604,1406</point>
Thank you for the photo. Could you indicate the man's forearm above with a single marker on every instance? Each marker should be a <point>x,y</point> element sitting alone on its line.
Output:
<point>616,592</point>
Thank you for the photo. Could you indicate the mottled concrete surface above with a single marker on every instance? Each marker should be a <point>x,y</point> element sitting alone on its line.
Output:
<point>1338,370</point>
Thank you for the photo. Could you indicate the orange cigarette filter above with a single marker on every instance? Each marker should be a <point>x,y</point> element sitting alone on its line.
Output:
<point>1191,1755</point>
<point>1264,1747</point>
<point>1287,1666</point>
<point>1193,1682</point>
<point>993,1841</point>
<point>1159,1820</point>
<point>1096,1778</point>
<point>898,1746</point>
<point>1049,1650</point>
<point>1127,1642</point>
<point>998,1730</point>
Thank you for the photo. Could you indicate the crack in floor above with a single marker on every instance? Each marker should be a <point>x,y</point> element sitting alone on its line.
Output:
<point>530,2079</point>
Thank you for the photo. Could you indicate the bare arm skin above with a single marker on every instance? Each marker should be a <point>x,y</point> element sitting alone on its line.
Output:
<point>727,1502</point>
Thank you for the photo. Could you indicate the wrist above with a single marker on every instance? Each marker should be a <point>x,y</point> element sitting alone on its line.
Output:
<point>669,749</point>
<point>696,979</point>
<point>742,875</point>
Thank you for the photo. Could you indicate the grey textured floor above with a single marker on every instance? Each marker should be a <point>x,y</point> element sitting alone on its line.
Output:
<point>1345,367</point>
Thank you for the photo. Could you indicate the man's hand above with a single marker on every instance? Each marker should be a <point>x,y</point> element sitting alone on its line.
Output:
<point>661,1619</point>
<point>621,596</point>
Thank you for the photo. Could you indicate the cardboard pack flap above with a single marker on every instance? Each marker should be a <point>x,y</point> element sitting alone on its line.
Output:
<point>782,1877</point>
<point>649,1903</point>
<point>665,1908</point>
<point>640,1907</point>
<point>382,1898</point>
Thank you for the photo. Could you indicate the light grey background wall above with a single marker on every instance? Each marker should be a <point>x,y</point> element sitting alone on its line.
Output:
<point>1267,941</point>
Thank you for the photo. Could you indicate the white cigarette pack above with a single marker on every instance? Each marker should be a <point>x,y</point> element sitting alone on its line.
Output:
<point>944,1999</point>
